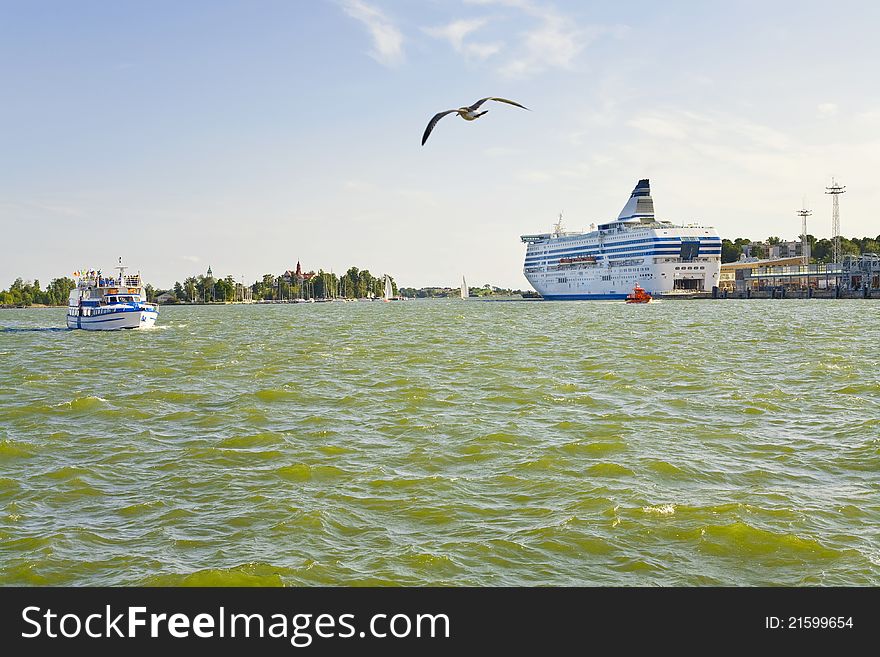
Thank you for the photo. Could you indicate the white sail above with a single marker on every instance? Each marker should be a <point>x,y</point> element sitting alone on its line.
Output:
<point>389,290</point>
<point>464,289</point>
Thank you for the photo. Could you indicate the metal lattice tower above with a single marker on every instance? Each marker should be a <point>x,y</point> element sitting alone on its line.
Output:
<point>805,243</point>
<point>835,190</point>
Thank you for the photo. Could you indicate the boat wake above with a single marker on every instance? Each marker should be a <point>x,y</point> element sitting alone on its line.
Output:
<point>52,329</point>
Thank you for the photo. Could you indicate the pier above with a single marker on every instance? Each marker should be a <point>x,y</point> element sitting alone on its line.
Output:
<point>853,277</point>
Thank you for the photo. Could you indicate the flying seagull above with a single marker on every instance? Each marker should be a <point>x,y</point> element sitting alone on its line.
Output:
<point>467,113</point>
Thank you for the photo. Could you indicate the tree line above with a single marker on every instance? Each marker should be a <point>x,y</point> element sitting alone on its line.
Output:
<point>26,293</point>
<point>354,284</point>
<point>820,250</point>
<point>442,292</point>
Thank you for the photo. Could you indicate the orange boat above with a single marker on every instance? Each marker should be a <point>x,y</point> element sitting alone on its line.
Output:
<point>638,296</point>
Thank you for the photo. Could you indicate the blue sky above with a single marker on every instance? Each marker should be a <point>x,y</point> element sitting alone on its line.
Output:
<point>247,135</point>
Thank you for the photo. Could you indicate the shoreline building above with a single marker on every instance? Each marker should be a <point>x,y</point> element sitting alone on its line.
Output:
<point>733,274</point>
<point>854,274</point>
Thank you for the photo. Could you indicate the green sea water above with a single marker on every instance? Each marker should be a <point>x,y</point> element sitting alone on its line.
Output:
<point>445,443</point>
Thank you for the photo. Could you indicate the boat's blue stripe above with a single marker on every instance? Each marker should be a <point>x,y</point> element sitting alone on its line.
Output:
<point>92,320</point>
<point>118,311</point>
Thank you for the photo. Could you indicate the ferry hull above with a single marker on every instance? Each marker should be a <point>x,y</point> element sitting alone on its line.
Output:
<point>583,297</point>
<point>114,321</point>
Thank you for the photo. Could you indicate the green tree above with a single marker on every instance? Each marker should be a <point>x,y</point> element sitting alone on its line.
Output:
<point>730,252</point>
<point>223,289</point>
<point>870,245</point>
<point>849,247</point>
<point>822,251</point>
<point>191,287</point>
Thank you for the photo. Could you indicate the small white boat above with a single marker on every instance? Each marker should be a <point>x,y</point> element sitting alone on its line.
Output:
<point>464,289</point>
<point>100,303</point>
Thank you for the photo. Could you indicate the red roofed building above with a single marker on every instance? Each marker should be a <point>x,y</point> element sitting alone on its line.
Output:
<point>298,275</point>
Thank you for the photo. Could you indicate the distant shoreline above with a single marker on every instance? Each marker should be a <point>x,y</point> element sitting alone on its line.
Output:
<point>684,297</point>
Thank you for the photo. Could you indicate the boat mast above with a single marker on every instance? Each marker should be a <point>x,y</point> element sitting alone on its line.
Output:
<point>121,269</point>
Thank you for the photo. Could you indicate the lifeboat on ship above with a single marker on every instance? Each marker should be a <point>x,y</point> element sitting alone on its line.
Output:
<point>638,295</point>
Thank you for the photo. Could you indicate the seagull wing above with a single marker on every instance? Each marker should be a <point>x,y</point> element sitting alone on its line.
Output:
<point>476,106</point>
<point>433,122</point>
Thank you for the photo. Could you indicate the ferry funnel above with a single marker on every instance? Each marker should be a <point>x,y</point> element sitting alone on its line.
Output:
<point>640,204</point>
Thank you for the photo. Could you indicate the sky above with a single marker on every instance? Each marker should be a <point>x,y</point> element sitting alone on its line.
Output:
<point>247,135</point>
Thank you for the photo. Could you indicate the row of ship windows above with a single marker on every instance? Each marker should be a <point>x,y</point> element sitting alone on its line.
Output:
<point>690,267</point>
<point>91,312</point>
<point>570,245</point>
<point>564,279</point>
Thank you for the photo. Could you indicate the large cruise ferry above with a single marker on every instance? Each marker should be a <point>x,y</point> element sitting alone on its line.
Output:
<point>106,303</point>
<point>634,249</point>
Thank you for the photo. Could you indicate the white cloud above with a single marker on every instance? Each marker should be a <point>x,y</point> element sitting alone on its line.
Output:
<point>356,185</point>
<point>711,128</point>
<point>555,42</point>
<point>826,110</point>
<point>387,38</point>
<point>502,151</point>
<point>191,258</point>
<point>456,31</point>
<point>871,117</point>
<point>535,176</point>
<point>658,126</point>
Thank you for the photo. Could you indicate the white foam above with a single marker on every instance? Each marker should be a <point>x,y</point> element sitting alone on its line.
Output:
<point>662,510</point>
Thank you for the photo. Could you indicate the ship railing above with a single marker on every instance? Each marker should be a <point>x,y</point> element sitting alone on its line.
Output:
<point>568,266</point>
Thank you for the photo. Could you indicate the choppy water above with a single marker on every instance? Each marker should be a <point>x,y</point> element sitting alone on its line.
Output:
<point>728,442</point>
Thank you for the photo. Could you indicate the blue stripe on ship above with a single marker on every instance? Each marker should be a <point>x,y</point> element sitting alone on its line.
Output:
<point>536,260</point>
<point>583,297</point>
<point>623,246</point>
<point>667,242</point>
<point>643,240</point>
<point>92,320</point>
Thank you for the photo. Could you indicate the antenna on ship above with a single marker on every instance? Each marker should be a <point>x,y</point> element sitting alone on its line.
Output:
<point>805,243</point>
<point>121,269</point>
<point>557,228</point>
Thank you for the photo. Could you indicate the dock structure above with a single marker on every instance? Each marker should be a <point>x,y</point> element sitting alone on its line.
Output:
<point>854,276</point>
<point>733,274</point>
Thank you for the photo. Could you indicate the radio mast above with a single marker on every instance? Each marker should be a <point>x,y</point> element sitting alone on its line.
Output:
<point>805,243</point>
<point>835,190</point>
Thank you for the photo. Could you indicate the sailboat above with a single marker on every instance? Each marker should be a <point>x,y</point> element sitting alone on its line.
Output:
<point>389,289</point>
<point>464,289</point>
